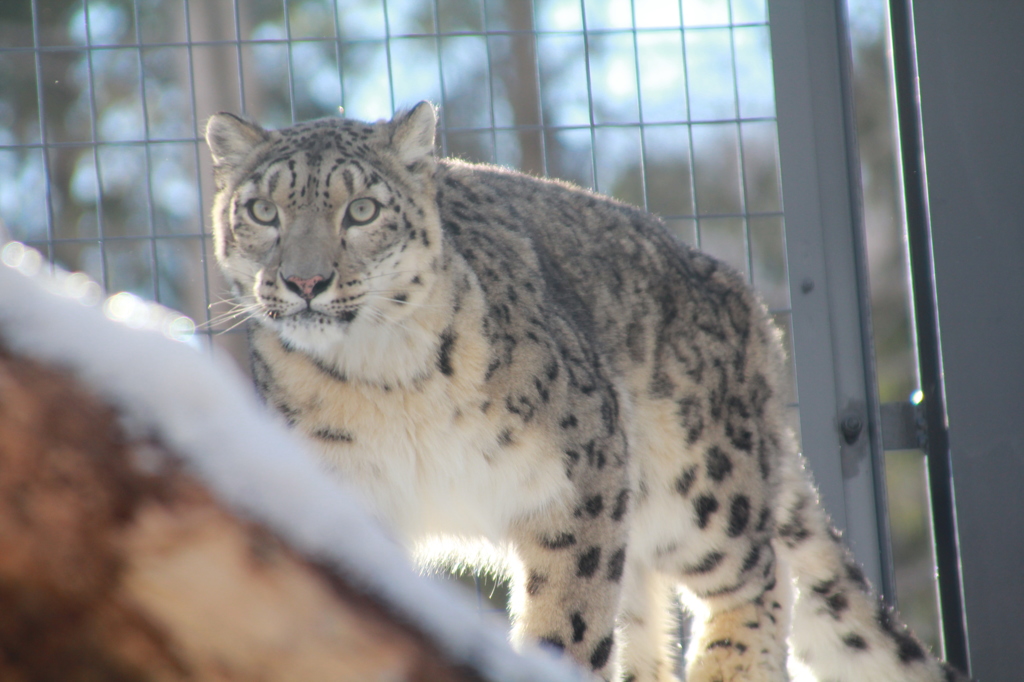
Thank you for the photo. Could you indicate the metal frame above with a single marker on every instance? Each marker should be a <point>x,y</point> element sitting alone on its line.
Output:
<point>936,445</point>
<point>839,413</point>
<point>960,92</point>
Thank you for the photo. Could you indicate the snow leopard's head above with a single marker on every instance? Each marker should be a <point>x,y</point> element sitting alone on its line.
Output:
<point>326,224</point>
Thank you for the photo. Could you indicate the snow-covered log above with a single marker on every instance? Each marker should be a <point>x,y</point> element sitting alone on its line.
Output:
<point>156,523</point>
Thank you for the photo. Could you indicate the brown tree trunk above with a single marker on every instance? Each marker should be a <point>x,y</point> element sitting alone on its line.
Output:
<point>117,564</point>
<point>521,83</point>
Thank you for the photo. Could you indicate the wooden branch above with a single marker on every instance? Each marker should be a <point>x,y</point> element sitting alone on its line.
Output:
<point>117,564</point>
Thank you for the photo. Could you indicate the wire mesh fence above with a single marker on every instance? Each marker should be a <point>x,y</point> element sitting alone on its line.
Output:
<point>667,104</point>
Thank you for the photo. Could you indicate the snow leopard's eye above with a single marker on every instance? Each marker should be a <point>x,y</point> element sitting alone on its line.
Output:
<point>262,211</point>
<point>361,211</point>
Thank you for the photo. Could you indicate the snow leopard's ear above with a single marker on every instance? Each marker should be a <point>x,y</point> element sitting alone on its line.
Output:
<point>412,135</point>
<point>231,138</point>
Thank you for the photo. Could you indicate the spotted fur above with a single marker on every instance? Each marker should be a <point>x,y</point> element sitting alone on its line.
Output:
<point>490,355</point>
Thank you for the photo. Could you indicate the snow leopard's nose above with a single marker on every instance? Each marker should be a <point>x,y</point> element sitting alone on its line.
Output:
<point>308,288</point>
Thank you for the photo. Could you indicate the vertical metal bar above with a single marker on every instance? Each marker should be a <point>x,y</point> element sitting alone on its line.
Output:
<point>149,161</point>
<point>926,317</point>
<point>490,79</point>
<point>739,145</point>
<point>440,79</point>
<point>104,275</point>
<point>387,55</point>
<point>291,66</point>
<point>540,94</point>
<point>860,264</point>
<point>238,54</point>
<point>199,183</point>
<point>639,105</point>
<point>689,128</point>
<point>590,93</point>
<point>337,55</point>
<point>835,376</point>
<point>43,138</point>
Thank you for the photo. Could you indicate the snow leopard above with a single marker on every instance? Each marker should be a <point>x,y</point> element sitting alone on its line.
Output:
<point>490,357</point>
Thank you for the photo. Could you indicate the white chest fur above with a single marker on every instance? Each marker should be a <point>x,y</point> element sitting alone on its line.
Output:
<point>429,459</point>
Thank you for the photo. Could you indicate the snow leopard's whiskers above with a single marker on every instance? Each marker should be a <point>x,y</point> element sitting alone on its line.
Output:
<point>245,311</point>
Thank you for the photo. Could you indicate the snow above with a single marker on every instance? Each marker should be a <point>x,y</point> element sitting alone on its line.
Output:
<point>205,411</point>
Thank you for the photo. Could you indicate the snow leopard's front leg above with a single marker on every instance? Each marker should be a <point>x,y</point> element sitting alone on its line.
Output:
<point>572,559</point>
<point>567,593</point>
